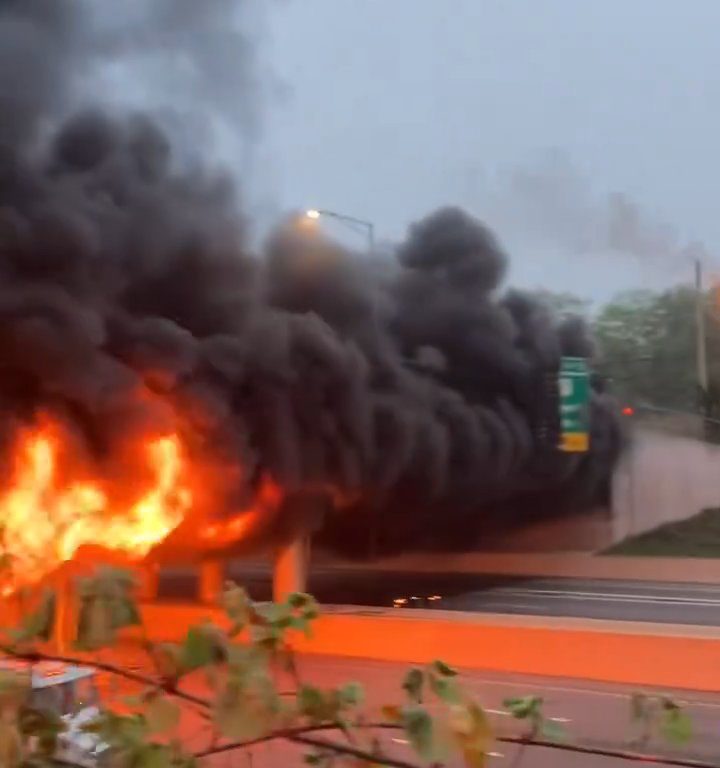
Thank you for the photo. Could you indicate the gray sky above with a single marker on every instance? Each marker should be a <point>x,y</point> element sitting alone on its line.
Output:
<point>392,107</point>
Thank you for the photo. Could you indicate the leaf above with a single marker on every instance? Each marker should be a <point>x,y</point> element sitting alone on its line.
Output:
<point>198,649</point>
<point>413,684</point>
<point>351,694</point>
<point>238,607</point>
<point>125,613</point>
<point>299,600</point>
<point>162,714</point>
<point>39,624</point>
<point>524,708</point>
<point>445,688</point>
<point>677,727</point>
<point>167,658</point>
<point>95,629</point>
<point>443,669</point>
<point>313,704</point>
<point>305,605</point>
<point>472,732</point>
<point>247,710</point>
<point>418,726</point>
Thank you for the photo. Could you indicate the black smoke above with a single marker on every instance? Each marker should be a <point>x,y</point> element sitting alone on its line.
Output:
<point>409,395</point>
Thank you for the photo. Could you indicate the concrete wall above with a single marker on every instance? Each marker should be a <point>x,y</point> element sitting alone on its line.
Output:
<point>619,652</point>
<point>663,478</point>
<point>577,565</point>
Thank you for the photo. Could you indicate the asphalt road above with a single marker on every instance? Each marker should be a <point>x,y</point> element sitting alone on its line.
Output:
<point>602,599</point>
<point>591,715</point>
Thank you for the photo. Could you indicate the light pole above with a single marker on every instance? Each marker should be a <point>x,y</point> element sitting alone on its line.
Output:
<point>367,226</point>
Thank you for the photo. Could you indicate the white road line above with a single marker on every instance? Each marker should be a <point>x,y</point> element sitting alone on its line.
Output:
<point>516,606</point>
<point>604,596</point>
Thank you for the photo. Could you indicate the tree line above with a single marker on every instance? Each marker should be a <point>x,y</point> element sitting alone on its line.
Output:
<point>646,346</point>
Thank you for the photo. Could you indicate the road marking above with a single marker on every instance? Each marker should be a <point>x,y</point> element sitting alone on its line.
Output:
<point>603,596</point>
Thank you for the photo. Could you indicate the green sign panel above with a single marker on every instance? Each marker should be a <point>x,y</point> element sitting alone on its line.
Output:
<point>574,386</point>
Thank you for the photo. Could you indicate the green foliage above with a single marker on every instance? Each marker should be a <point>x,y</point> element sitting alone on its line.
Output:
<point>530,709</point>
<point>647,347</point>
<point>245,668</point>
<point>107,605</point>
<point>659,717</point>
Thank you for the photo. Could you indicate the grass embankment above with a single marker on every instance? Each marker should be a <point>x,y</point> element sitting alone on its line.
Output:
<point>697,536</point>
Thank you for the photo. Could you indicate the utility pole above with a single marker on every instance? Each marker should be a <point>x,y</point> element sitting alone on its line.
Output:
<point>701,356</point>
<point>702,369</point>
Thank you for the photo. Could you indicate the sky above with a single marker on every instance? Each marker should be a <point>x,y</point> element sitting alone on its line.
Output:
<point>386,109</point>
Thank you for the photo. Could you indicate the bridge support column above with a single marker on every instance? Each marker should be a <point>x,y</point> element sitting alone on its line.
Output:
<point>290,568</point>
<point>211,578</point>
<point>148,576</point>
<point>66,611</point>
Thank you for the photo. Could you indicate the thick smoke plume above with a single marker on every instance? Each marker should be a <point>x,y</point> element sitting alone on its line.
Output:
<point>550,201</point>
<point>128,302</point>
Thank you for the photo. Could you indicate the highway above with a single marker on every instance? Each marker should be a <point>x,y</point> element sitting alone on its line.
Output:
<point>591,715</point>
<point>669,603</point>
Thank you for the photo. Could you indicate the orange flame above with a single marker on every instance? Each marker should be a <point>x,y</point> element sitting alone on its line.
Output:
<point>44,520</point>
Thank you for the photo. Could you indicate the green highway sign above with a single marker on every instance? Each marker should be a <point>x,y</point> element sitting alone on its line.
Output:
<point>574,388</point>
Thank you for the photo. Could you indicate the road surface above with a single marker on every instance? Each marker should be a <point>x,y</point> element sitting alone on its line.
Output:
<point>591,715</point>
<point>601,599</point>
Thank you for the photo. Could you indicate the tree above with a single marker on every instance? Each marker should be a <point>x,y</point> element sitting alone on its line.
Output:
<point>242,663</point>
<point>647,347</point>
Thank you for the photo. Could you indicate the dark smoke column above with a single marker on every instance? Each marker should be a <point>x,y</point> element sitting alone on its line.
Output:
<point>404,393</point>
<point>463,430</point>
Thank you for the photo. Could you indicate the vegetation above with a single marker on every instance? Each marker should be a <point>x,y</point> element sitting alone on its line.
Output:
<point>646,345</point>
<point>697,536</point>
<point>239,668</point>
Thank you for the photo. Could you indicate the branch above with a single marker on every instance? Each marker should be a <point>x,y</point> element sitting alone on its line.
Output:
<point>361,754</point>
<point>299,735</point>
<point>167,686</point>
<point>290,734</point>
<point>606,752</point>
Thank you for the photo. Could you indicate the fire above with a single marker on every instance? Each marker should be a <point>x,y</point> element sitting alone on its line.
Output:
<point>244,522</point>
<point>45,518</point>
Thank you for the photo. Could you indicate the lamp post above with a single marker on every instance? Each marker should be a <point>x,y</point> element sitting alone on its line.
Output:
<point>367,226</point>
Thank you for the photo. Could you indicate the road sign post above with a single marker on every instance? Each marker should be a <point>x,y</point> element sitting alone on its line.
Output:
<point>574,389</point>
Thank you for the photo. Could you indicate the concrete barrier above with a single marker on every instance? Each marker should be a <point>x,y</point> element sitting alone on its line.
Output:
<point>619,652</point>
<point>573,565</point>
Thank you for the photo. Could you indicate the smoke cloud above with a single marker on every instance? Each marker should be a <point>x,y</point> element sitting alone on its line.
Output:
<point>129,303</point>
<point>551,202</point>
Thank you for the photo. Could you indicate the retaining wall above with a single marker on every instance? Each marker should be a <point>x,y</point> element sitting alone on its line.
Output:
<point>618,652</point>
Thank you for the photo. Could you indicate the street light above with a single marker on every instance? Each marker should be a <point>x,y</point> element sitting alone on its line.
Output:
<point>367,226</point>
